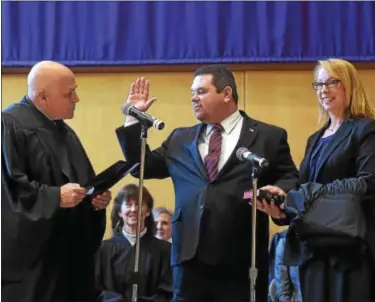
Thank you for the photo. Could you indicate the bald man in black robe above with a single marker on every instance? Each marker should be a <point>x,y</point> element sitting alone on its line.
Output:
<point>50,228</point>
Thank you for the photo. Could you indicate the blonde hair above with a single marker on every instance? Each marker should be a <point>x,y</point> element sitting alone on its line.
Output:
<point>358,104</point>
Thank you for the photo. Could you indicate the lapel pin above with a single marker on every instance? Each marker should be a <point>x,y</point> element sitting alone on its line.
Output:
<point>251,129</point>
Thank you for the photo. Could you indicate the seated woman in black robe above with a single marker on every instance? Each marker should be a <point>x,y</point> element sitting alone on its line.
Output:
<point>116,257</point>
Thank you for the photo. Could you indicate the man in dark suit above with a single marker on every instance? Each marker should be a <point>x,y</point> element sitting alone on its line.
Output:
<point>211,225</point>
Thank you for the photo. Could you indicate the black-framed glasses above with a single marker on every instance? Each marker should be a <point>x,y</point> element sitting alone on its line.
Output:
<point>329,84</point>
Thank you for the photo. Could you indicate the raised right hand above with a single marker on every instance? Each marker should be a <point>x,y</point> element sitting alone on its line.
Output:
<point>139,93</point>
<point>71,195</point>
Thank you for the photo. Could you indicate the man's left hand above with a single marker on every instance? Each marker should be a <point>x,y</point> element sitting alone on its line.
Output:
<point>101,201</point>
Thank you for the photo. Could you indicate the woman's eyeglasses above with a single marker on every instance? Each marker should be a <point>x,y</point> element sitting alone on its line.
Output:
<point>329,84</point>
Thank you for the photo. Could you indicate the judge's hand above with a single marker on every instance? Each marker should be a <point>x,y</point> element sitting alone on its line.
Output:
<point>139,94</point>
<point>271,208</point>
<point>101,201</point>
<point>71,195</point>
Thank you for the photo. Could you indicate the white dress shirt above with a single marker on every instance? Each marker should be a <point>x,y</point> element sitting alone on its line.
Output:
<point>232,126</point>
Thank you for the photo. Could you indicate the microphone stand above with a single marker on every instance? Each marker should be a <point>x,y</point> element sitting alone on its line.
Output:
<point>143,137</point>
<point>253,272</point>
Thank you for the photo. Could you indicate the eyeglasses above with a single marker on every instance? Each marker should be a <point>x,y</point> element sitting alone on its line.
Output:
<point>329,84</point>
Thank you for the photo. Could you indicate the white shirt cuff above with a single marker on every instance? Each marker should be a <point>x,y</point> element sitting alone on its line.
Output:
<point>130,121</point>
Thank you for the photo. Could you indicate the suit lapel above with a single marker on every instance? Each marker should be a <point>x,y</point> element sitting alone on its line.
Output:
<point>338,137</point>
<point>248,134</point>
<point>247,137</point>
<point>193,147</point>
<point>305,165</point>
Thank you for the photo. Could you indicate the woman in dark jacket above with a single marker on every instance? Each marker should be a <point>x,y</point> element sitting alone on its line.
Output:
<point>343,148</point>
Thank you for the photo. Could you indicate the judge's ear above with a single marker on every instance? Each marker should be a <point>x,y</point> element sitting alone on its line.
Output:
<point>228,96</point>
<point>40,96</point>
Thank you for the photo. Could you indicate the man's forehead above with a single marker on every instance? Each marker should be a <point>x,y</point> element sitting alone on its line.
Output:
<point>72,86</point>
<point>163,217</point>
<point>201,81</point>
<point>68,83</point>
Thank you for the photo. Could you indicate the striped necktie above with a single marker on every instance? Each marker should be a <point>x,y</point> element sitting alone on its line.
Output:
<point>211,161</point>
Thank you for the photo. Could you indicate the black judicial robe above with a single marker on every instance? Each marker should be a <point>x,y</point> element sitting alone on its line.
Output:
<point>115,269</point>
<point>48,252</point>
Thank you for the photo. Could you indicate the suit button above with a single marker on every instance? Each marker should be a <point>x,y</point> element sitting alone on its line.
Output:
<point>201,207</point>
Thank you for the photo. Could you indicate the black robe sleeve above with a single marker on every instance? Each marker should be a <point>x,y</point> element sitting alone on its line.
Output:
<point>28,208</point>
<point>38,202</point>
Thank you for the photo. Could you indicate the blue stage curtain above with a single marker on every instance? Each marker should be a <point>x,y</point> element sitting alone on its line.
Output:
<point>138,33</point>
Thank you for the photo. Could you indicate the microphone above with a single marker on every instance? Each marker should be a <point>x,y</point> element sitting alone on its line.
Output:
<point>244,154</point>
<point>143,117</point>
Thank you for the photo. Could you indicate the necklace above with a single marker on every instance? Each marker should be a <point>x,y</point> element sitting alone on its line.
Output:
<point>333,128</point>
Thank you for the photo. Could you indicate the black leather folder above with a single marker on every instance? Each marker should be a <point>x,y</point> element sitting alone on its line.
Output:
<point>109,177</point>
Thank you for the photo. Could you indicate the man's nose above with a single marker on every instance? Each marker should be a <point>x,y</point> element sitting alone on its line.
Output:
<point>195,98</point>
<point>75,98</point>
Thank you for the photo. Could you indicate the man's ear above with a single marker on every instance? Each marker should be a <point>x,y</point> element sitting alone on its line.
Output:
<point>41,96</point>
<point>228,94</point>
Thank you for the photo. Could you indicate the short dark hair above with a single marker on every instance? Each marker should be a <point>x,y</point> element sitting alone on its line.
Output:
<point>126,192</point>
<point>222,77</point>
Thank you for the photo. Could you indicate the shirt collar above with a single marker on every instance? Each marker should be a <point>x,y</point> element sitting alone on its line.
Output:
<point>132,237</point>
<point>228,124</point>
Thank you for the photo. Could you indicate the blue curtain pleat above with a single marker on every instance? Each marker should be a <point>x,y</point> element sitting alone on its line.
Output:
<point>80,33</point>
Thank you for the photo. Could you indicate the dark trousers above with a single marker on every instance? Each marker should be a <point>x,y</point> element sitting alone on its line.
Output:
<point>321,281</point>
<point>196,281</point>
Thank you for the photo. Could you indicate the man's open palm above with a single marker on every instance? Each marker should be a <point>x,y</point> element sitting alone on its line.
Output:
<point>139,94</point>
